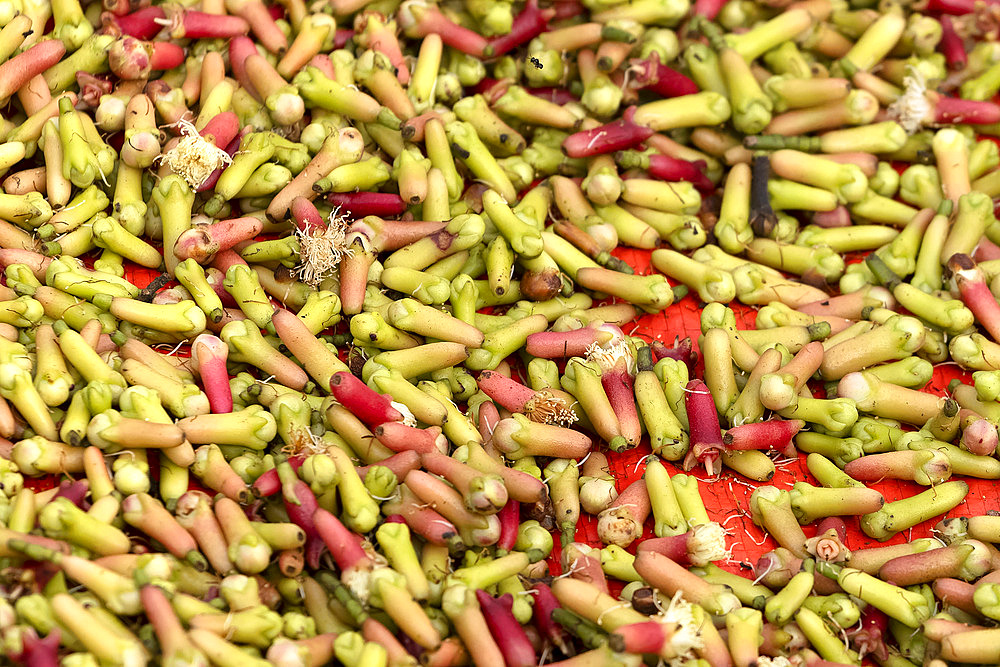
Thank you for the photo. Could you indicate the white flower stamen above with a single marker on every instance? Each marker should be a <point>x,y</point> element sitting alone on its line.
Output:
<point>546,408</point>
<point>193,158</point>
<point>707,543</point>
<point>320,252</point>
<point>912,109</point>
<point>305,441</point>
<point>608,356</point>
<point>777,661</point>
<point>686,637</point>
<point>408,418</point>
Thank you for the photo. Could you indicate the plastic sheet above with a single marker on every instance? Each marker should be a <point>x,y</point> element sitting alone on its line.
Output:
<point>727,497</point>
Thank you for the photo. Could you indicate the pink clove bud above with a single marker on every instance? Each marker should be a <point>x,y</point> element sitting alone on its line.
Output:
<point>210,353</point>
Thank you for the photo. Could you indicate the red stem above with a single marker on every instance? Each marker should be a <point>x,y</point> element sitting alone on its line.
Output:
<point>194,512</point>
<point>952,45</point>
<point>37,262</point>
<point>554,95</point>
<point>616,136</point>
<point>838,217</point>
<point>153,519</point>
<point>493,89</point>
<point>360,204</point>
<point>269,483</point>
<point>263,75</point>
<point>559,344</point>
<point>413,128</point>
<point>833,523</point>
<point>510,521</point>
<point>216,276</point>
<point>221,129</point>
<point>706,436</point>
<point>161,615</point>
<point>394,234</point>
<point>373,631</point>
<point>231,149</point>
<point>400,464</point>
<point>708,8</point>
<point>566,9</point>
<point>123,7</point>
<point>871,638</point>
<point>773,434</point>
<point>667,168</point>
<point>507,632</point>
<point>165,55</point>
<point>322,62</point>
<point>665,81</point>
<point>843,305</point>
<point>384,41</point>
<point>985,251</point>
<point>399,437</point>
<point>241,48</point>
<point>585,567</point>
<point>956,593</point>
<point>527,25</point>
<point>20,69</point>
<point>199,25</point>
<point>105,344</point>
<point>884,465</point>
<point>344,546</point>
<point>619,386</point>
<point>74,491</point>
<point>342,37</point>
<point>141,24</point>
<point>210,354</point>
<point>952,7</point>
<point>918,568</point>
<point>634,499</point>
<point>448,501</point>
<point>422,520</point>
<point>976,293</point>
<point>203,241</point>
<point>371,407</point>
<point>489,417</point>
<point>301,509</point>
<point>545,603</point>
<point>306,216</point>
<point>509,393</point>
<point>973,112</point>
<point>644,637</point>
<point>430,20</point>
<point>37,652</point>
<point>674,547</point>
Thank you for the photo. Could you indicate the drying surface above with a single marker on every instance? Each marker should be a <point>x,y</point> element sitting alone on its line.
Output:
<point>727,497</point>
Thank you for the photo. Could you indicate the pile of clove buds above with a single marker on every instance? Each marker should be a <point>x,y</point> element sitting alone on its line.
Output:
<point>324,325</point>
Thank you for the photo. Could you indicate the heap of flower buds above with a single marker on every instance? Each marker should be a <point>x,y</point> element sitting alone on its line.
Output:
<point>409,257</point>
